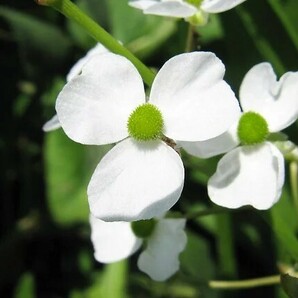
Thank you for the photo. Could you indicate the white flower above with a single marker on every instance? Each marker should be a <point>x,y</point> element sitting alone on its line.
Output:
<point>114,241</point>
<point>54,123</point>
<point>142,177</point>
<point>183,8</point>
<point>253,174</point>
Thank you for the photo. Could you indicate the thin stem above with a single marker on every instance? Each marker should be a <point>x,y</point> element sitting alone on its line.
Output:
<point>192,39</point>
<point>294,182</point>
<point>225,246</point>
<point>245,284</point>
<point>71,11</point>
<point>189,39</point>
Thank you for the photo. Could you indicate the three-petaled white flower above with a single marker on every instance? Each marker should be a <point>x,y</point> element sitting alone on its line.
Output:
<point>114,241</point>
<point>142,177</point>
<point>253,173</point>
<point>184,8</point>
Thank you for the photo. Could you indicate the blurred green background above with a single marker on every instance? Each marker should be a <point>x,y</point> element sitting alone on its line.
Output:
<point>45,250</point>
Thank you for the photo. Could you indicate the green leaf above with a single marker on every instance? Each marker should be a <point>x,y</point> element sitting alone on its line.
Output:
<point>138,24</point>
<point>25,287</point>
<point>69,168</point>
<point>197,255</point>
<point>283,224</point>
<point>147,44</point>
<point>192,262</point>
<point>111,283</point>
<point>66,178</point>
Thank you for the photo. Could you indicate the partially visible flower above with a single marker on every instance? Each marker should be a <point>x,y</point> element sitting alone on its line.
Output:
<point>51,124</point>
<point>142,176</point>
<point>253,173</point>
<point>164,240</point>
<point>54,123</point>
<point>195,10</point>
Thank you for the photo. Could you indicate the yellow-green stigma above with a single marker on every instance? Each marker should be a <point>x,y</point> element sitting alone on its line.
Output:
<point>196,3</point>
<point>252,129</point>
<point>143,228</point>
<point>145,123</point>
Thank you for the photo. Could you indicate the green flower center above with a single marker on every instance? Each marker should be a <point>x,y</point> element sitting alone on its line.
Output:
<point>196,3</point>
<point>145,123</point>
<point>252,129</point>
<point>143,228</point>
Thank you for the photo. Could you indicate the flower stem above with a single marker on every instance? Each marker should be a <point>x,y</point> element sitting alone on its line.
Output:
<point>71,11</point>
<point>225,246</point>
<point>192,39</point>
<point>294,182</point>
<point>189,39</point>
<point>245,284</point>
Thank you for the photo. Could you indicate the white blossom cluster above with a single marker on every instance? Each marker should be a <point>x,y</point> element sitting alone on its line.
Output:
<point>193,108</point>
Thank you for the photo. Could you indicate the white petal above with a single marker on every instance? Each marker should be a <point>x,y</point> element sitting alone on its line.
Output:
<point>218,145</point>
<point>249,175</point>
<point>93,108</point>
<point>173,8</point>
<point>196,103</point>
<point>276,101</point>
<point>52,124</point>
<point>215,6</point>
<point>112,241</point>
<point>77,68</point>
<point>136,180</point>
<point>142,4</point>
<point>160,259</point>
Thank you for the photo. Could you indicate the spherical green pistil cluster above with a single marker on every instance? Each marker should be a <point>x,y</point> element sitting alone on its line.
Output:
<point>143,228</point>
<point>145,123</point>
<point>252,129</point>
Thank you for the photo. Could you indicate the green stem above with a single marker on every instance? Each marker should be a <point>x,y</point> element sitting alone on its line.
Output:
<point>294,182</point>
<point>189,39</point>
<point>245,284</point>
<point>225,246</point>
<point>71,11</point>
